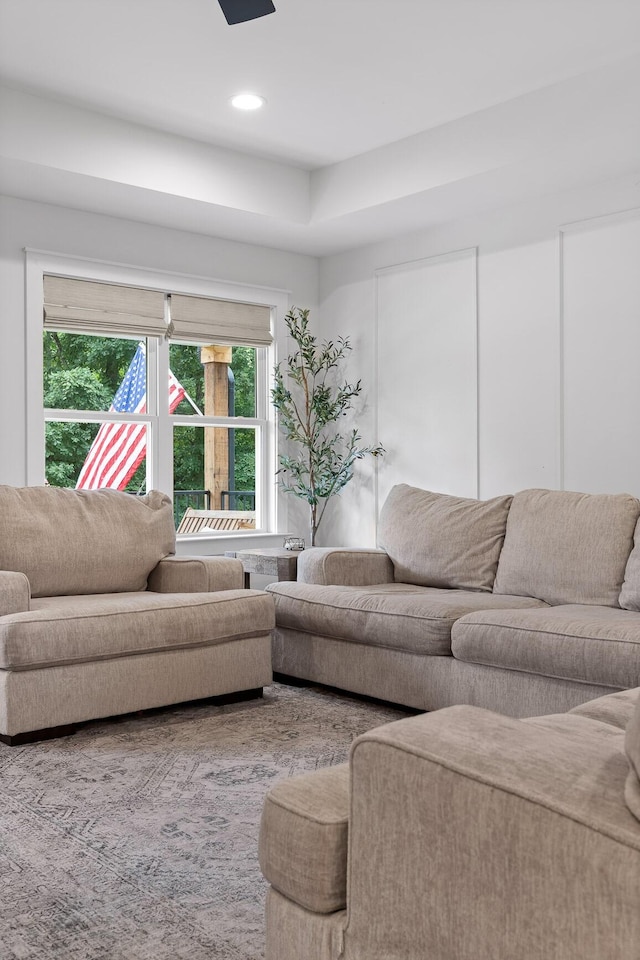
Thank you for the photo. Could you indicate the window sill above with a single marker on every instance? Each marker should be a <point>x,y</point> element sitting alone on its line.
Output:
<point>208,544</point>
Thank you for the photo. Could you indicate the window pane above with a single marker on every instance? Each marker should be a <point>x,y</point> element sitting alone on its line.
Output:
<point>97,454</point>
<point>215,470</point>
<point>84,372</point>
<point>218,381</point>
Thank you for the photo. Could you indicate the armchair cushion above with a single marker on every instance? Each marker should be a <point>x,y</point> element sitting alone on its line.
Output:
<point>196,575</point>
<point>435,540</point>
<point>14,592</point>
<point>303,838</point>
<point>60,630</point>
<point>103,541</point>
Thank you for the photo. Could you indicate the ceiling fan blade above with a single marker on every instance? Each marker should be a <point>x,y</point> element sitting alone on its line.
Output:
<point>239,11</point>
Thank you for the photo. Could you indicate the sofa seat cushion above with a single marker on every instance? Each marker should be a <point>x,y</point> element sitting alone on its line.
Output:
<point>579,642</point>
<point>399,616</point>
<point>436,540</point>
<point>303,838</point>
<point>61,630</point>
<point>566,547</point>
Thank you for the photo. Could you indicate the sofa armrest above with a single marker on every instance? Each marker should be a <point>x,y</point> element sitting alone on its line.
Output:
<point>15,592</point>
<point>344,566</point>
<point>477,835</point>
<point>196,575</point>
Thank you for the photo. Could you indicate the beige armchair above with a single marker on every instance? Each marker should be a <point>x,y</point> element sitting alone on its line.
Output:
<point>98,617</point>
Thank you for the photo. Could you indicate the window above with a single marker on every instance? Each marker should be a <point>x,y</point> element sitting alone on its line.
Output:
<point>146,388</point>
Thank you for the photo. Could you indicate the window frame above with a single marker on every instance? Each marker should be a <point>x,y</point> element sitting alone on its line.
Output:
<point>160,422</point>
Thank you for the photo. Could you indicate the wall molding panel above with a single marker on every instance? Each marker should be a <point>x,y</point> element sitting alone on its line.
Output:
<point>427,373</point>
<point>600,354</point>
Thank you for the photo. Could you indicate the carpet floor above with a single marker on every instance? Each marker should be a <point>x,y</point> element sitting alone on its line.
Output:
<point>136,839</point>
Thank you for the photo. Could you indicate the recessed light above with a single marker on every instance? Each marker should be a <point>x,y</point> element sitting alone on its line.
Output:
<point>247,101</point>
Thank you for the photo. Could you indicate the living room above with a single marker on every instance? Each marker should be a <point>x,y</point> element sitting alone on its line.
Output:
<point>480,249</point>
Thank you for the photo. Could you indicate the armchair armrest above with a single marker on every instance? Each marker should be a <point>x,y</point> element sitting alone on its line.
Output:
<point>196,575</point>
<point>345,566</point>
<point>15,592</point>
<point>477,835</point>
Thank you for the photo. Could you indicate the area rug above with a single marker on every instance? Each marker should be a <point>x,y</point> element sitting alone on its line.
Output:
<point>136,839</point>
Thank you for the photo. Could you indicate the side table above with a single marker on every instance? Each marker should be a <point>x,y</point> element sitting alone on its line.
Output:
<point>270,561</point>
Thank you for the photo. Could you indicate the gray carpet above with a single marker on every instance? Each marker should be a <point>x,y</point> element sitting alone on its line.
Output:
<point>136,839</point>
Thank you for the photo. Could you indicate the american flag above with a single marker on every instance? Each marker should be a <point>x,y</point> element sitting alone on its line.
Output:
<point>118,449</point>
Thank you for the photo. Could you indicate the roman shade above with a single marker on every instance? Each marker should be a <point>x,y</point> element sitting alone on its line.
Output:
<point>205,320</point>
<point>85,306</point>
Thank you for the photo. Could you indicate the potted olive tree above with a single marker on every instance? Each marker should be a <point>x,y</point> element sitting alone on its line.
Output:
<point>311,402</point>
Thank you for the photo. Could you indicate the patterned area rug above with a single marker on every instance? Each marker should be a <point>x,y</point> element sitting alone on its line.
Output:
<point>136,839</point>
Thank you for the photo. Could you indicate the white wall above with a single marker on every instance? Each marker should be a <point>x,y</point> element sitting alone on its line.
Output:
<point>558,344</point>
<point>79,234</point>
<point>426,375</point>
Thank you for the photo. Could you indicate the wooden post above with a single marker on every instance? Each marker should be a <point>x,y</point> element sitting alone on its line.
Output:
<point>216,362</point>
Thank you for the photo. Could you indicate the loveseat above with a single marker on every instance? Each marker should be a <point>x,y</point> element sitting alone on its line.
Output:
<point>98,616</point>
<point>463,835</point>
<point>524,604</point>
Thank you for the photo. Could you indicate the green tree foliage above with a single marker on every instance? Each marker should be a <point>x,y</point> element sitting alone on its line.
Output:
<point>84,372</point>
<point>66,443</point>
<point>310,405</point>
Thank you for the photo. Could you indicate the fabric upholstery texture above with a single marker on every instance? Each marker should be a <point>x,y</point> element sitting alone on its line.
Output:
<point>630,592</point>
<point>500,819</point>
<point>196,575</point>
<point>574,642</point>
<point>96,627</point>
<point>397,615</point>
<point>294,933</point>
<point>567,547</point>
<point>15,594</point>
<point>473,836</point>
<point>74,692</point>
<point>423,683</point>
<point>351,568</point>
<point>615,709</point>
<point>303,839</point>
<point>437,540</point>
<point>632,747</point>
<point>105,541</point>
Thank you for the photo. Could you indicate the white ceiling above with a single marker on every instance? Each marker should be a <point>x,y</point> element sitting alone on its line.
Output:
<point>462,89</point>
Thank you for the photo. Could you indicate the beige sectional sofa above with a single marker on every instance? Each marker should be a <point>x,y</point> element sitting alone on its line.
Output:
<point>526,605</point>
<point>464,835</point>
<point>98,617</point>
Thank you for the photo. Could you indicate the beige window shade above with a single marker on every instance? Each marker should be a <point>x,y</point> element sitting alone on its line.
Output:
<point>206,320</point>
<point>102,308</point>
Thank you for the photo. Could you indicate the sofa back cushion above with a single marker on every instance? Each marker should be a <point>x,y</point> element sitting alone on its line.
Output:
<point>630,593</point>
<point>565,547</point>
<point>435,540</point>
<point>632,746</point>
<point>83,541</point>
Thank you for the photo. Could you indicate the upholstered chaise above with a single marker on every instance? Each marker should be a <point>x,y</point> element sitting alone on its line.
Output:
<point>98,617</point>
